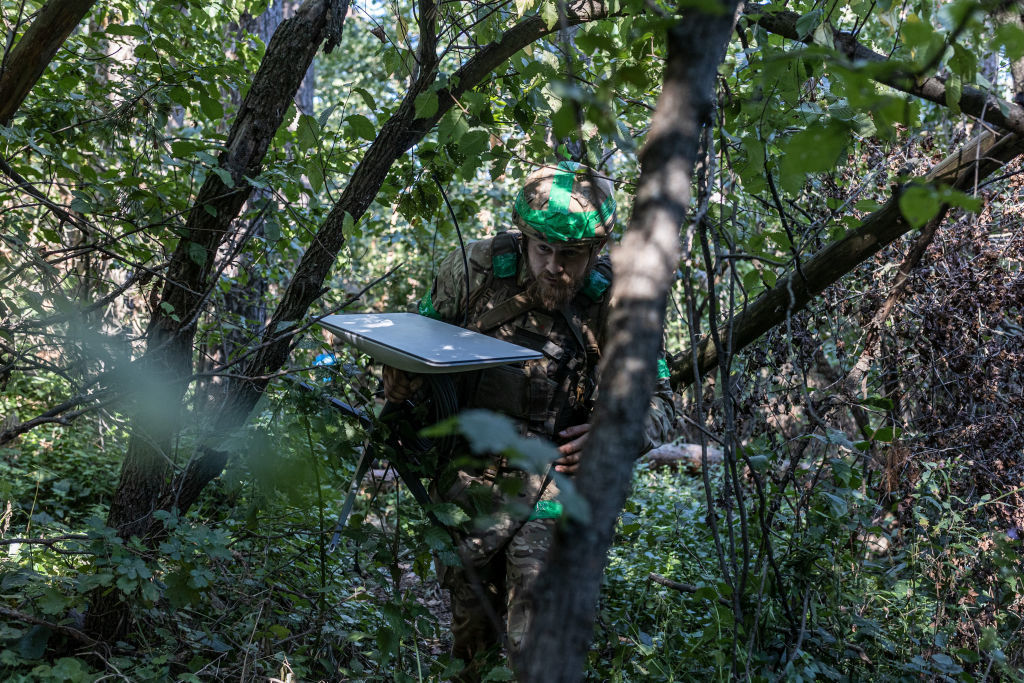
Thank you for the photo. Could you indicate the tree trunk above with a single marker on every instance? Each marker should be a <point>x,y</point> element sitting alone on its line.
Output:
<point>27,61</point>
<point>645,264</point>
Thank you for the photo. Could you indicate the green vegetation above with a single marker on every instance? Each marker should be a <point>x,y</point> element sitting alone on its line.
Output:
<point>848,295</point>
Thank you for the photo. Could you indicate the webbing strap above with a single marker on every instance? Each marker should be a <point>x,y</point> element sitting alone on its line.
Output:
<point>509,309</point>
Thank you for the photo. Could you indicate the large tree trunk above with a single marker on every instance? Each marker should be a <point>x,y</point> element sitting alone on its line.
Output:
<point>27,61</point>
<point>644,263</point>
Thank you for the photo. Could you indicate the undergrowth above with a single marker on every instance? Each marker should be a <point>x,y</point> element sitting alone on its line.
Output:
<point>245,587</point>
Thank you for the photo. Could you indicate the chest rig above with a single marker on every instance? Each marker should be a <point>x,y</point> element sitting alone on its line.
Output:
<point>558,390</point>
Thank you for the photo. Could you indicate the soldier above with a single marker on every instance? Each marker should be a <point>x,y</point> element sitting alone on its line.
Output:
<point>545,287</point>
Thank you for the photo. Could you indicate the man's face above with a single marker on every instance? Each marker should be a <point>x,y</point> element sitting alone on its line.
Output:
<point>558,271</point>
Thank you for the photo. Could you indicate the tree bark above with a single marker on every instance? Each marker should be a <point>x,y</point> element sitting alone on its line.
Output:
<point>397,135</point>
<point>645,264</point>
<point>27,61</point>
<point>978,159</point>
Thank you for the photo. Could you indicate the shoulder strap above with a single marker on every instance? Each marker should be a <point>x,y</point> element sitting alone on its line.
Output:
<point>509,309</point>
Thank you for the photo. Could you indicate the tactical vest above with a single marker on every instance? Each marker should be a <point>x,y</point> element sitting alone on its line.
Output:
<point>558,390</point>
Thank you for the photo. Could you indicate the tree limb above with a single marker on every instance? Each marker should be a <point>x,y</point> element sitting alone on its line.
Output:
<point>977,159</point>
<point>681,587</point>
<point>30,57</point>
<point>973,101</point>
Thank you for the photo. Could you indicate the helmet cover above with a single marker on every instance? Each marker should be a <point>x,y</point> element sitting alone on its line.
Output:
<point>565,203</point>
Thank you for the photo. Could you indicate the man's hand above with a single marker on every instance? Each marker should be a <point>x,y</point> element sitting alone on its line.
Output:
<point>571,449</point>
<point>399,385</point>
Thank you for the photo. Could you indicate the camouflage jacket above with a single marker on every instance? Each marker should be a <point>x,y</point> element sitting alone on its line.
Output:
<point>557,391</point>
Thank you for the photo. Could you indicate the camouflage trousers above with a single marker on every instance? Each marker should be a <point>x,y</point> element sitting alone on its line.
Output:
<point>501,558</point>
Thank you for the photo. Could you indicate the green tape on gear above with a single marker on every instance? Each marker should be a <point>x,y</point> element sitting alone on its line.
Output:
<point>561,187</point>
<point>426,307</point>
<point>504,265</point>
<point>596,285</point>
<point>663,371</point>
<point>562,227</point>
<point>546,509</point>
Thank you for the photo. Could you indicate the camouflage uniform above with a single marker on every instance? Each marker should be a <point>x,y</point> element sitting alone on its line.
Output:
<point>502,558</point>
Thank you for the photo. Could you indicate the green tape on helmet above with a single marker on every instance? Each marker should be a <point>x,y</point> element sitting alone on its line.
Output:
<point>663,369</point>
<point>562,227</point>
<point>554,220</point>
<point>561,187</point>
<point>504,265</point>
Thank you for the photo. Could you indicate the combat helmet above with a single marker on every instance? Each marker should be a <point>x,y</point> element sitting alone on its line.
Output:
<point>567,203</point>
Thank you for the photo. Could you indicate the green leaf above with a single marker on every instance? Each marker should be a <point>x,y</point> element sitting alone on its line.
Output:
<point>132,30</point>
<point>917,33</point>
<point>70,669</point>
<point>197,253</point>
<point>954,91</point>
<point>361,126</point>
<point>967,202</point>
<point>449,514</point>
<point>563,122</point>
<point>307,132</point>
<point>549,13</point>
<point>838,505</point>
<point>426,104</point>
<point>884,434</point>
<point>145,51</point>
<point>879,402</point>
<point>806,24</point>
<point>1011,37</point>
<point>211,107</point>
<point>452,127</point>
<point>759,462</point>
<point>919,204</point>
<point>315,174</point>
<point>80,205</point>
<point>32,645</point>
<point>367,98</point>
<point>524,6</point>
<point>179,95</point>
<point>499,673</point>
<point>271,229</point>
<point>813,150</point>
<point>224,175</point>
<point>474,142</point>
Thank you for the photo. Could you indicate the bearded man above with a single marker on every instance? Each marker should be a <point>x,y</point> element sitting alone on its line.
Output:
<point>544,286</point>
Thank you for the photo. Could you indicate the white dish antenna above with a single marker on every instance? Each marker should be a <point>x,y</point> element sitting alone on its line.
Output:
<point>415,343</point>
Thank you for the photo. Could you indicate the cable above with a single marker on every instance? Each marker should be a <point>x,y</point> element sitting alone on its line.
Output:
<point>462,244</point>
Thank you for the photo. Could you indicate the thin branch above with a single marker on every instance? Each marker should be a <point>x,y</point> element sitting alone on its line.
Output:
<point>57,628</point>
<point>682,587</point>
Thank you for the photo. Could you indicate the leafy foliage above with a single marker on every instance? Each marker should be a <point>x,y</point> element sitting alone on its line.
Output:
<point>871,533</point>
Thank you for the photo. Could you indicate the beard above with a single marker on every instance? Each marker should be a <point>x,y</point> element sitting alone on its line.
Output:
<point>554,293</point>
